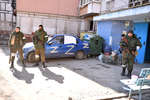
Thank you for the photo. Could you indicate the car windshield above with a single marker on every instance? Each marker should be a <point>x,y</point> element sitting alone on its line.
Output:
<point>49,38</point>
<point>58,40</point>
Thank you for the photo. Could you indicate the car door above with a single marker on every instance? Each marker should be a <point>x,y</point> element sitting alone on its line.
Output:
<point>70,46</point>
<point>54,48</point>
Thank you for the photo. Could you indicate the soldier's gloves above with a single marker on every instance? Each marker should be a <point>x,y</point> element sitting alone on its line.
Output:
<point>137,47</point>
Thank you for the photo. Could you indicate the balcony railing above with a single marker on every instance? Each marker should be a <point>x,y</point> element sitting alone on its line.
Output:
<point>86,2</point>
<point>91,8</point>
<point>137,3</point>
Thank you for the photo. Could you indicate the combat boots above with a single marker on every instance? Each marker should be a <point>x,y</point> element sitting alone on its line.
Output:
<point>43,65</point>
<point>12,64</point>
<point>129,74</point>
<point>123,72</point>
<point>23,63</point>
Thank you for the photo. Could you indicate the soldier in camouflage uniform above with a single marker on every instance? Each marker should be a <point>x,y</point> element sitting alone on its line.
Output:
<point>129,45</point>
<point>39,39</point>
<point>16,43</point>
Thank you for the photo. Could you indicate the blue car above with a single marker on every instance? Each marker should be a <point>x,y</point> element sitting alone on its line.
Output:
<point>59,46</point>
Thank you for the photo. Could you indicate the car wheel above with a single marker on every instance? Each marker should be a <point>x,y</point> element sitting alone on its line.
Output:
<point>31,57</point>
<point>80,55</point>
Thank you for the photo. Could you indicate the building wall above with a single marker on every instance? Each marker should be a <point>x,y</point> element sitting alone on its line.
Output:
<point>84,10</point>
<point>53,24</point>
<point>120,4</point>
<point>5,15</point>
<point>85,25</point>
<point>57,16</point>
<point>91,7</point>
<point>113,5</point>
<point>6,22</point>
<point>60,7</point>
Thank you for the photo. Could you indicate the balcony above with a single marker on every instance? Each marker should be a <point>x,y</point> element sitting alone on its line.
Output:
<point>137,3</point>
<point>90,9</point>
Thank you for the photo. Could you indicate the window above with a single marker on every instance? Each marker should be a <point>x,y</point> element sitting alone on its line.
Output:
<point>70,40</point>
<point>83,2</point>
<point>58,40</point>
<point>135,3</point>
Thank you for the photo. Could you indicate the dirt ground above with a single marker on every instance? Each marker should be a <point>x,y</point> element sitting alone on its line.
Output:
<point>64,78</point>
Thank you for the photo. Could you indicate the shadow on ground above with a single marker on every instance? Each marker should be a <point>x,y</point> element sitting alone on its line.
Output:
<point>51,76</point>
<point>104,74</point>
<point>45,72</point>
<point>5,50</point>
<point>23,75</point>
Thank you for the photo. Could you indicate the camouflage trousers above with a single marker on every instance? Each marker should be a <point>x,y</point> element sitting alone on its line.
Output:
<point>13,53</point>
<point>128,61</point>
<point>40,53</point>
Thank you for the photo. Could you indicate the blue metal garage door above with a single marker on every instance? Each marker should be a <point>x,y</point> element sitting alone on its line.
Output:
<point>141,30</point>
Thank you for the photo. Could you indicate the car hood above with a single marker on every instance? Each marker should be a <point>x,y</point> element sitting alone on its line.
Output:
<point>28,45</point>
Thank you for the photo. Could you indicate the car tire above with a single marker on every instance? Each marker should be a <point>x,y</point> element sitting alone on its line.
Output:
<point>80,55</point>
<point>31,57</point>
